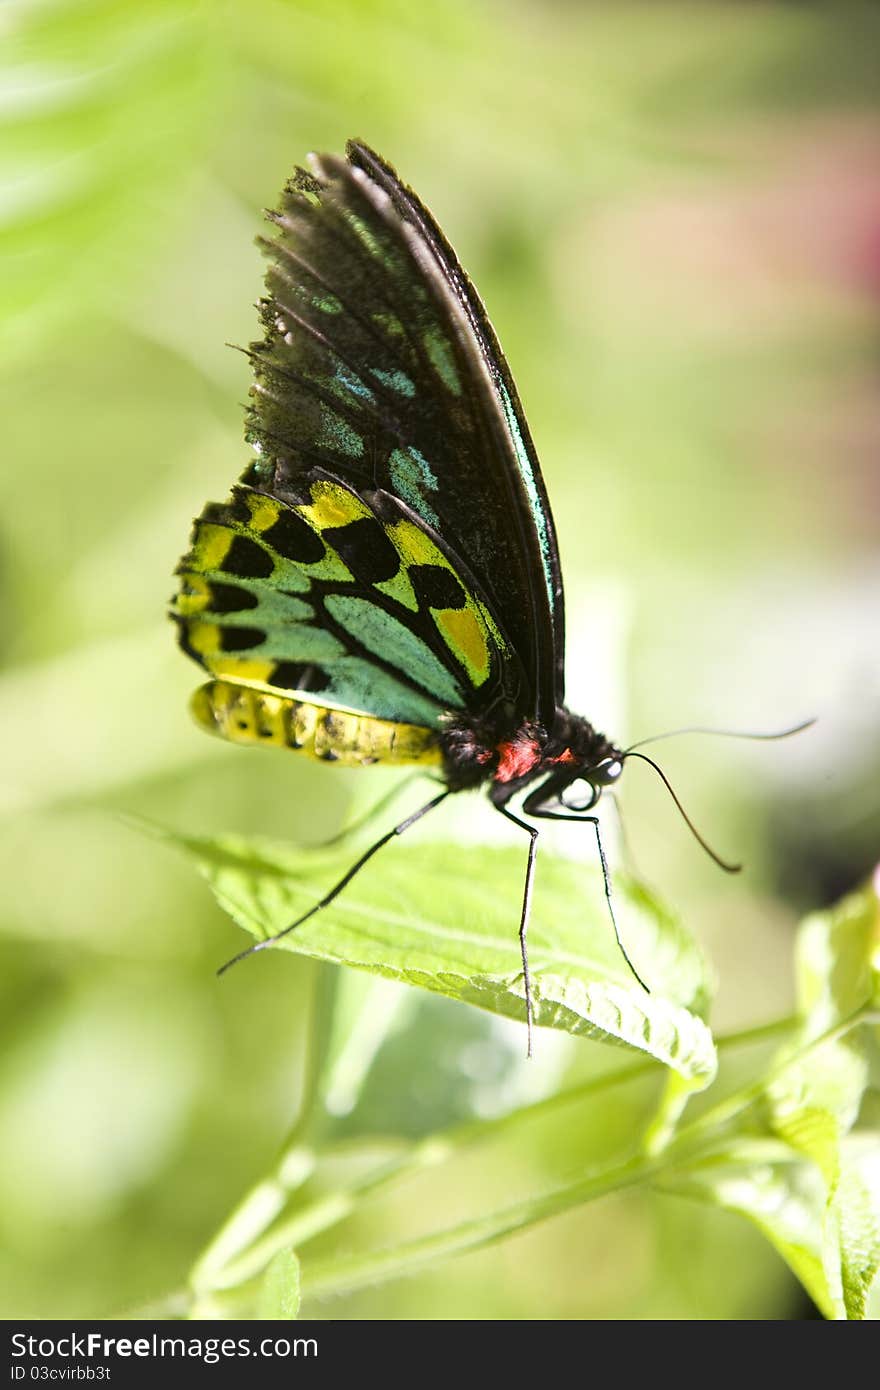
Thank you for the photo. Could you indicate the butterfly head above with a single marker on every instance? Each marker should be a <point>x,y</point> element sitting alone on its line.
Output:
<point>574,787</point>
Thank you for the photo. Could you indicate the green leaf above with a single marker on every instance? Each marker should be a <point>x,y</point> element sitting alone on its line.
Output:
<point>445,918</point>
<point>813,1188</point>
<point>817,1099</point>
<point>280,1290</point>
<point>854,1220</point>
<point>838,960</point>
<point>781,1196</point>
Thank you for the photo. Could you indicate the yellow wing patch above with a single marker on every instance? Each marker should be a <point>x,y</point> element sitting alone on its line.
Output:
<point>464,634</point>
<point>469,632</point>
<point>415,547</point>
<point>332,506</point>
<point>210,546</point>
<point>194,597</point>
<point>264,511</point>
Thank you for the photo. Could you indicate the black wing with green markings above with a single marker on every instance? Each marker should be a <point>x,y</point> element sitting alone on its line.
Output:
<point>379,368</point>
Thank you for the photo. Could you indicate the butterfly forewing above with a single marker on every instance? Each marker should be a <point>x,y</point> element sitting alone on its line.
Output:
<point>530,506</point>
<point>379,366</point>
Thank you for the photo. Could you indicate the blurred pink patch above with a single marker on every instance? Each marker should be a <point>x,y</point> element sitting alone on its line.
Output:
<point>789,221</point>
<point>767,254</point>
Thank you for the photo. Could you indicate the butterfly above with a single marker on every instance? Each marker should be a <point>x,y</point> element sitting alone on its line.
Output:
<point>383,585</point>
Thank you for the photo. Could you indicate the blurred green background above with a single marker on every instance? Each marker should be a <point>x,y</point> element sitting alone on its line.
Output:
<point>673,214</point>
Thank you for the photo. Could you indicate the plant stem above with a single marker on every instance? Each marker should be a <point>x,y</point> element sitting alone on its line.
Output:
<point>346,1273</point>
<point>245,1243</point>
<point>250,1218</point>
<point>309,1221</point>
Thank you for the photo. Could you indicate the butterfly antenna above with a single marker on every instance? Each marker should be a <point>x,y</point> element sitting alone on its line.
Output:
<point>722,733</point>
<point>722,863</point>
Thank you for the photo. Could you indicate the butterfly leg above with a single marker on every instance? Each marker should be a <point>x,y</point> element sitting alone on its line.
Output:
<point>526,912</point>
<point>369,816</point>
<point>606,878</point>
<point>328,898</point>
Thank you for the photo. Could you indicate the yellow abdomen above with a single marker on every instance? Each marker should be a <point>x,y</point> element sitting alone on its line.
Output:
<point>243,714</point>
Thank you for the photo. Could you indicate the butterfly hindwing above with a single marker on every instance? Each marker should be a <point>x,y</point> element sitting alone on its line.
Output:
<point>346,597</point>
<point>378,366</point>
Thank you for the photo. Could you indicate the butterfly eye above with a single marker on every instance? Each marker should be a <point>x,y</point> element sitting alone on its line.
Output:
<point>606,772</point>
<point>579,795</point>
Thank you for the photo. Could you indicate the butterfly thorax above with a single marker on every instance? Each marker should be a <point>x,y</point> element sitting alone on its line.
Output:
<point>479,750</point>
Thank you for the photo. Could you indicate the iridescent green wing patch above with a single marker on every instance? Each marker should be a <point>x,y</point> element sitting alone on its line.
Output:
<point>378,367</point>
<point>350,598</point>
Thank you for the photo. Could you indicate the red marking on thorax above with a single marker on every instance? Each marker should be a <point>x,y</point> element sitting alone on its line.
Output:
<point>565,757</point>
<point>517,757</point>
